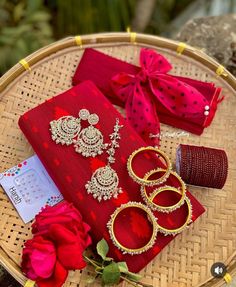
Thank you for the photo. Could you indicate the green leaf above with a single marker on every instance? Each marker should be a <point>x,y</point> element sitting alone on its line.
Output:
<point>111,274</point>
<point>133,276</point>
<point>123,267</point>
<point>102,248</point>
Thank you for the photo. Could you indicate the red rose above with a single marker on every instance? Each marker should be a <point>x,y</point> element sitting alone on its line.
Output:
<point>70,247</point>
<point>66,215</point>
<point>60,227</point>
<point>63,213</point>
<point>39,263</point>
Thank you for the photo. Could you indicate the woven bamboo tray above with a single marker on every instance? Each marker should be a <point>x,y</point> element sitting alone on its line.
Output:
<point>187,260</point>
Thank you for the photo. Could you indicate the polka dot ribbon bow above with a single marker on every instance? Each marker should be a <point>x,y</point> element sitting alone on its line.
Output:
<point>152,86</point>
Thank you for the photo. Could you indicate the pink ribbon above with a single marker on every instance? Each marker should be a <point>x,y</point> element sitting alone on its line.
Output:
<point>153,86</point>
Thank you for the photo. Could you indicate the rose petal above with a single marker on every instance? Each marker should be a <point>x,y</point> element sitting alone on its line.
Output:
<point>71,256</point>
<point>43,261</point>
<point>39,257</point>
<point>64,213</point>
<point>69,248</point>
<point>57,279</point>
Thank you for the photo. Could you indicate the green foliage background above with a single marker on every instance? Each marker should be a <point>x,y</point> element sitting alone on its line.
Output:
<point>24,27</point>
<point>27,25</point>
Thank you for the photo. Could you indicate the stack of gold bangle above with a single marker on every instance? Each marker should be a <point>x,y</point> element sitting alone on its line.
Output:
<point>149,200</point>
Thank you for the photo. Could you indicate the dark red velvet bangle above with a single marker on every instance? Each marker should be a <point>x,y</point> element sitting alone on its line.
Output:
<point>202,166</point>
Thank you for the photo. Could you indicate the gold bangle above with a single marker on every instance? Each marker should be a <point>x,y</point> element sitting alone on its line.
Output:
<point>149,198</point>
<point>167,231</point>
<point>144,181</point>
<point>151,217</point>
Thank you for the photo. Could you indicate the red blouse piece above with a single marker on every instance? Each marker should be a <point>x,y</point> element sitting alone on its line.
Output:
<point>71,171</point>
<point>149,93</point>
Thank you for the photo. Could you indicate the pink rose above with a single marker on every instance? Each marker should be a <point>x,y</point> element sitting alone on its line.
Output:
<point>39,263</point>
<point>60,238</point>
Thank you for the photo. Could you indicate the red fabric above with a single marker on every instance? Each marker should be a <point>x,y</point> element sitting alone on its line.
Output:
<point>149,93</point>
<point>70,171</point>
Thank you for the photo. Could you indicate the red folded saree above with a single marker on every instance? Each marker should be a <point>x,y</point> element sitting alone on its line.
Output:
<point>71,171</point>
<point>150,94</point>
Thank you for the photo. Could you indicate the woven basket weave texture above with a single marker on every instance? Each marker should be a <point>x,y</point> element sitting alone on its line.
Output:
<point>187,260</point>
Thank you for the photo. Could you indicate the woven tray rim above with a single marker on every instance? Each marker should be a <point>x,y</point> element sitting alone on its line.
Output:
<point>105,38</point>
<point>113,38</point>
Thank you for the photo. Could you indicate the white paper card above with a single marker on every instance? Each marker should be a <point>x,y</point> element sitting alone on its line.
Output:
<point>30,188</point>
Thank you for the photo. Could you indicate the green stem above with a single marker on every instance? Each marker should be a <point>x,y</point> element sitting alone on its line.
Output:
<point>134,283</point>
<point>129,281</point>
<point>93,262</point>
<point>99,273</point>
<point>96,264</point>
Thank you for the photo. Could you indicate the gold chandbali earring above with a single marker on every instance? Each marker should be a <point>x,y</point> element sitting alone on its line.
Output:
<point>104,182</point>
<point>65,129</point>
<point>90,140</point>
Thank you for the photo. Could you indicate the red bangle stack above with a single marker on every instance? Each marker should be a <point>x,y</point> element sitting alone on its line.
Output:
<point>202,166</point>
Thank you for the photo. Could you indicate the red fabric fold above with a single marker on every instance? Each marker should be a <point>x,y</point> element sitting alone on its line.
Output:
<point>70,171</point>
<point>149,93</point>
